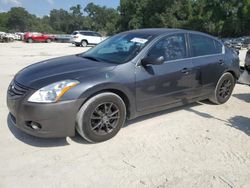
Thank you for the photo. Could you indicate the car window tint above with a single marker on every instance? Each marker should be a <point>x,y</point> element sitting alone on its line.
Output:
<point>171,48</point>
<point>218,47</point>
<point>202,45</point>
<point>88,33</point>
<point>97,34</point>
<point>120,48</point>
<point>75,33</point>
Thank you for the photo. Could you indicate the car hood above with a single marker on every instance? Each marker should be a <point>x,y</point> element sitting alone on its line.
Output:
<point>46,72</point>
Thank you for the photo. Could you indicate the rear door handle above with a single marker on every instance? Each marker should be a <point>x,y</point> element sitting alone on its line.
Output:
<point>221,62</point>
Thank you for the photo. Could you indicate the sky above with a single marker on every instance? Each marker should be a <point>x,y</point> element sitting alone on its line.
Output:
<point>43,7</point>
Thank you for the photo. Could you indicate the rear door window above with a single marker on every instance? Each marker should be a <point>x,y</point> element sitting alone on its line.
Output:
<point>87,33</point>
<point>83,33</point>
<point>201,45</point>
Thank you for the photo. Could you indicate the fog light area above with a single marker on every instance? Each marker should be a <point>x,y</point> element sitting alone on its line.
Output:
<point>33,125</point>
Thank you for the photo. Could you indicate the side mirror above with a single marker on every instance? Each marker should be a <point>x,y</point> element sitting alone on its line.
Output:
<point>152,61</point>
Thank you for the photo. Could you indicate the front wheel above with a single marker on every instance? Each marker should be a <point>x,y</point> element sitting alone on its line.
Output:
<point>101,117</point>
<point>30,40</point>
<point>224,89</point>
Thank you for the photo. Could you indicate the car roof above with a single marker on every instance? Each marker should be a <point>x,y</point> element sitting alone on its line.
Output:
<point>153,31</point>
<point>164,31</point>
<point>85,31</point>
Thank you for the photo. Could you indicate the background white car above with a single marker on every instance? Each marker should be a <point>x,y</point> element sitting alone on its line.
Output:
<point>84,38</point>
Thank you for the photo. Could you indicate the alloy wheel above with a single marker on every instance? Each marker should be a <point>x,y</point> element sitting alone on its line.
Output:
<point>225,89</point>
<point>104,118</point>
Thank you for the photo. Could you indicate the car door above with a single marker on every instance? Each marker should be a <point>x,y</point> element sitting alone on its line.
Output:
<point>208,60</point>
<point>91,38</point>
<point>97,38</point>
<point>38,37</point>
<point>170,82</point>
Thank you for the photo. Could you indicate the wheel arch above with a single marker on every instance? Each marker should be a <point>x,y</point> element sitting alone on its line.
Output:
<point>29,39</point>
<point>128,100</point>
<point>85,40</point>
<point>233,73</point>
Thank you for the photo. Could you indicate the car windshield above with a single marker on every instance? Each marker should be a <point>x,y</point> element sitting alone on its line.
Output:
<point>118,49</point>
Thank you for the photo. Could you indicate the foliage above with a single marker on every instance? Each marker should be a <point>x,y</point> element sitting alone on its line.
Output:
<point>218,17</point>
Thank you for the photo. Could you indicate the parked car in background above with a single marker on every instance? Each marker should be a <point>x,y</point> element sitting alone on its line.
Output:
<point>2,36</point>
<point>247,61</point>
<point>37,37</point>
<point>2,33</point>
<point>246,43</point>
<point>19,36</point>
<point>84,38</point>
<point>6,37</point>
<point>11,37</point>
<point>128,75</point>
<point>63,38</point>
<point>245,71</point>
<point>236,44</point>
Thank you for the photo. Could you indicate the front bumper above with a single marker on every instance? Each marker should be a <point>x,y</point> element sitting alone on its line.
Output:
<point>76,43</point>
<point>56,119</point>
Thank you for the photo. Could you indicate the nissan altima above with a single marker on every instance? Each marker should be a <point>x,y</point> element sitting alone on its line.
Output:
<point>128,75</point>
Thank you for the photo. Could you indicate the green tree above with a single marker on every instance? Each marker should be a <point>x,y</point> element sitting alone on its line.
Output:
<point>18,19</point>
<point>59,20</point>
<point>76,18</point>
<point>3,21</point>
<point>101,18</point>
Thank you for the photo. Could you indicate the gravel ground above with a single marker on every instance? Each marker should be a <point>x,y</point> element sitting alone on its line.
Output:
<point>199,145</point>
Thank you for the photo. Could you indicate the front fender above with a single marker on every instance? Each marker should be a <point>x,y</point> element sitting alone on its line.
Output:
<point>122,85</point>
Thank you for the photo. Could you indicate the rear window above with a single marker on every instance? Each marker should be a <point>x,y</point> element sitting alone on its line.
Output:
<point>202,45</point>
<point>75,33</point>
<point>218,47</point>
<point>97,34</point>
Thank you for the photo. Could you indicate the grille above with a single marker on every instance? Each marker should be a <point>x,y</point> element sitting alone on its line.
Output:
<point>16,90</point>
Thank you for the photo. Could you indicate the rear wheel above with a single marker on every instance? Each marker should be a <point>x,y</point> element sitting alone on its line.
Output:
<point>224,89</point>
<point>48,40</point>
<point>101,117</point>
<point>84,43</point>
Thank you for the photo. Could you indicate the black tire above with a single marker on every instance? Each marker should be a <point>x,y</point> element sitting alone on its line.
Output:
<point>84,43</point>
<point>224,89</point>
<point>95,122</point>
<point>77,45</point>
<point>48,40</point>
<point>30,40</point>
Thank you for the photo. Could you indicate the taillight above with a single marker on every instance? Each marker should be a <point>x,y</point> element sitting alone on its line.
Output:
<point>75,37</point>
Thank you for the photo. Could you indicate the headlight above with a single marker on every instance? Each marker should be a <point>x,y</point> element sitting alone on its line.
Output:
<point>52,93</point>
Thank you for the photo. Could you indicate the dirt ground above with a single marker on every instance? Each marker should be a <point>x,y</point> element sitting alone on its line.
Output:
<point>200,145</point>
